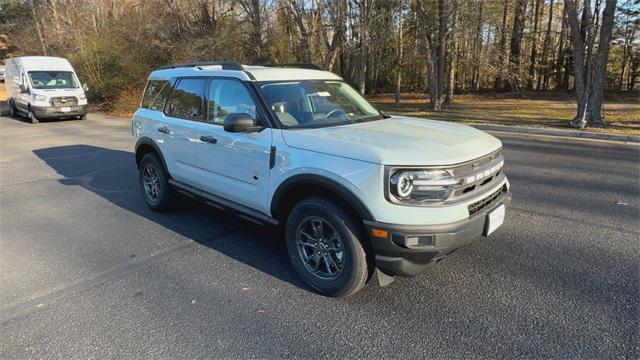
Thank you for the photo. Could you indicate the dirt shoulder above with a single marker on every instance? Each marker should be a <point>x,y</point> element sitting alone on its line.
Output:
<point>551,110</point>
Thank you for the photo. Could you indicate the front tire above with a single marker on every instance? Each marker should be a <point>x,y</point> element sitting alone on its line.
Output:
<point>32,117</point>
<point>326,247</point>
<point>12,109</point>
<point>154,183</point>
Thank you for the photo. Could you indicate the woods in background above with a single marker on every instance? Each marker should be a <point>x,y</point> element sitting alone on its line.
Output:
<point>441,47</point>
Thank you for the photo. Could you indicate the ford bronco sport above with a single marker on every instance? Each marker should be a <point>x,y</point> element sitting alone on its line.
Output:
<point>357,193</point>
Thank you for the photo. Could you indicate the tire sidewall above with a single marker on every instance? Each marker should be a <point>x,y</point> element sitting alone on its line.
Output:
<point>163,201</point>
<point>350,277</point>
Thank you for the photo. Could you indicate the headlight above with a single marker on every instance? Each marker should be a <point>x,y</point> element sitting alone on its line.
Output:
<point>39,97</point>
<point>419,186</point>
<point>82,97</point>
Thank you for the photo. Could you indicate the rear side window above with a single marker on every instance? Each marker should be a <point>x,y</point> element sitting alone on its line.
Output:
<point>188,99</point>
<point>156,94</point>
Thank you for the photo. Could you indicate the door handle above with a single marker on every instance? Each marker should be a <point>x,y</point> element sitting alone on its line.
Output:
<point>208,139</point>
<point>164,130</point>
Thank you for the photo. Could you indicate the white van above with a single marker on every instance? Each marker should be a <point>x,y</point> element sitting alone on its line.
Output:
<point>43,87</point>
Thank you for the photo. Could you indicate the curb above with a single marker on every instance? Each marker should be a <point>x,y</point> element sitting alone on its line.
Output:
<point>562,133</point>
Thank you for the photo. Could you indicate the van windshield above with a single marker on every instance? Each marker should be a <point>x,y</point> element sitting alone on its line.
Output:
<point>53,80</point>
<point>317,103</point>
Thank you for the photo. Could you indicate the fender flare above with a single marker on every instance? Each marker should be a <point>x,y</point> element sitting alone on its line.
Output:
<point>322,182</point>
<point>146,141</point>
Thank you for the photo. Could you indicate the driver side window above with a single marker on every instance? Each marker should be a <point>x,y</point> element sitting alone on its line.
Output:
<point>227,97</point>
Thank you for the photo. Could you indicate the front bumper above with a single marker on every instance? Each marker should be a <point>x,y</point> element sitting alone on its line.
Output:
<point>50,112</point>
<point>394,256</point>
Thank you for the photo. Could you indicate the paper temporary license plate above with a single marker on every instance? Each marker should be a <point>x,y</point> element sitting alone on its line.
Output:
<point>494,219</point>
<point>65,109</point>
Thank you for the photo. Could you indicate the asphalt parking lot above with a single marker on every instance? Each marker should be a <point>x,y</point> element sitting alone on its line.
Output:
<point>87,271</point>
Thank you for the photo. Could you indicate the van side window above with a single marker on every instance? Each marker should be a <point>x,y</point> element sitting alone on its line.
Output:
<point>226,97</point>
<point>187,99</point>
<point>156,94</point>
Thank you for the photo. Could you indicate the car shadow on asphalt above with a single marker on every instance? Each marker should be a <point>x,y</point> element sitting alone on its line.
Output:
<point>112,174</point>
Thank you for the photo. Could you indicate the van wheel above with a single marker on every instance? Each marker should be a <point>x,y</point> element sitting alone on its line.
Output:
<point>12,109</point>
<point>32,117</point>
<point>326,248</point>
<point>154,183</point>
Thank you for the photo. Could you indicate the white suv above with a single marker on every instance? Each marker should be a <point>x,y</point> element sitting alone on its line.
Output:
<point>356,192</point>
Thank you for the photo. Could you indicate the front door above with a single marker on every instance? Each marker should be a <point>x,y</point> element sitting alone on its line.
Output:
<point>234,166</point>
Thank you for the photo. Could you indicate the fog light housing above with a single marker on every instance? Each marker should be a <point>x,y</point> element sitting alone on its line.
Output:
<point>412,241</point>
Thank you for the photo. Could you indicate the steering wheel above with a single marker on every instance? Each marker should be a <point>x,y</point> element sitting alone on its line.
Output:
<point>335,112</point>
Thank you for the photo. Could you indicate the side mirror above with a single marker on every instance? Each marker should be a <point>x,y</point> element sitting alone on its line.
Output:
<point>23,89</point>
<point>85,87</point>
<point>240,122</point>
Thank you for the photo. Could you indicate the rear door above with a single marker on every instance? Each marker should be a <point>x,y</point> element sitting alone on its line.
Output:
<point>234,166</point>
<point>177,128</point>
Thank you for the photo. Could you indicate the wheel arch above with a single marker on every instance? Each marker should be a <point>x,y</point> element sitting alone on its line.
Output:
<point>294,189</point>
<point>144,146</point>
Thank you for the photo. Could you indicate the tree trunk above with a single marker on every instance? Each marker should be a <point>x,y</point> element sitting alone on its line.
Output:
<point>560,69</point>
<point>475,76</point>
<point>257,31</point>
<point>516,44</point>
<point>297,11</point>
<point>600,65</point>
<point>502,55</point>
<point>629,33</point>
<point>443,19</point>
<point>452,56</point>
<point>338,14</point>
<point>39,31</point>
<point>543,80</point>
<point>578,37</point>
<point>364,45</point>
<point>400,53</point>
<point>534,43</point>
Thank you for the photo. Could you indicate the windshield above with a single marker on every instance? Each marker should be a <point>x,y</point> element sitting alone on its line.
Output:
<point>53,80</point>
<point>317,103</point>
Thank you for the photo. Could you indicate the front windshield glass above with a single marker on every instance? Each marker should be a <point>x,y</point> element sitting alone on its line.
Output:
<point>53,80</point>
<point>317,103</point>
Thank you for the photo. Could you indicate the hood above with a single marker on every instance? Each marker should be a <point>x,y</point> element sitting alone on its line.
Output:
<point>58,92</point>
<point>397,141</point>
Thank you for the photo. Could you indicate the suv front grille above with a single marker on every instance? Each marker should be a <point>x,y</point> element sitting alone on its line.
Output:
<point>478,174</point>
<point>481,204</point>
<point>64,101</point>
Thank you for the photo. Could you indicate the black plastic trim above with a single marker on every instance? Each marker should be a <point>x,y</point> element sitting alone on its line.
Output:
<point>225,205</point>
<point>394,259</point>
<point>293,65</point>
<point>272,157</point>
<point>148,141</point>
<point>322,182</point>
<point>226,65</point>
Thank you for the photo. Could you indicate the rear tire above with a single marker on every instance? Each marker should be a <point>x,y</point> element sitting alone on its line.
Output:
<point>154,183</point>
<point>326,247</point>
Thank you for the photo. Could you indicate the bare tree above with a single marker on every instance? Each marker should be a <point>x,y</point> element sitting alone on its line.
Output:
<point>253,10</point>
<point>589,86</point>
<point>543,80</point>
<point>502,53</point>
<point>399,51</point>
<point>298,11</point>
<point>516,45</point>
<point>534,42</point>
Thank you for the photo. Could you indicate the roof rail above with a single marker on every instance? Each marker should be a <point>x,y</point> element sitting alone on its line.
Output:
<point>300,66</point>
<point>226,65</point>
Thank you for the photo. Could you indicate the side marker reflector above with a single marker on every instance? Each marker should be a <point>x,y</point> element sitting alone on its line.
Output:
<point>379,233</point>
